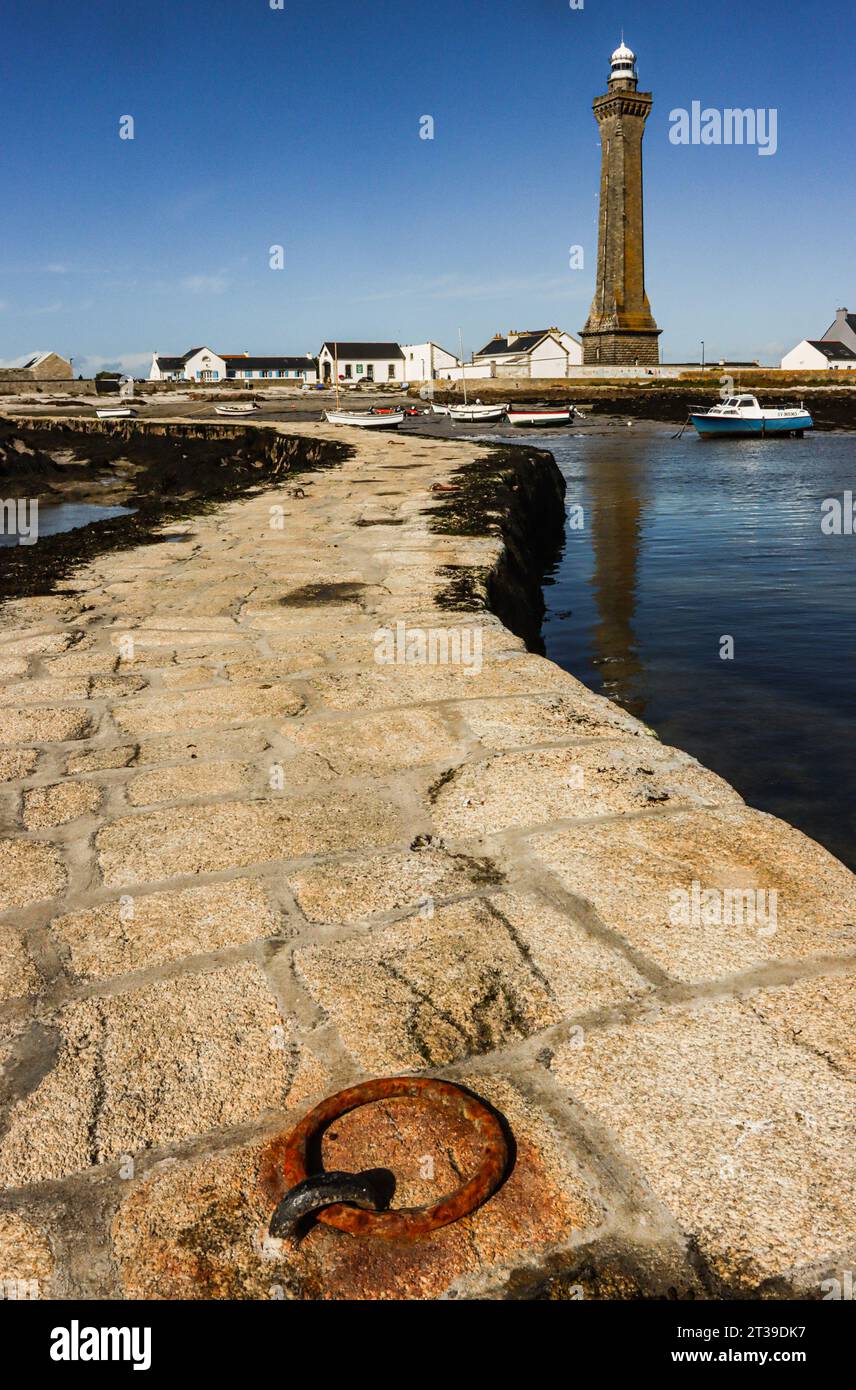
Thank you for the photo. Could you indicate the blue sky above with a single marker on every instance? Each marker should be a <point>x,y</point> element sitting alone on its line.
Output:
<point>300,127</point>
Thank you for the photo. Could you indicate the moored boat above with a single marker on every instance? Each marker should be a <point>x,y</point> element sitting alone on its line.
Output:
<point>477,413</point>
<point>114,412</point>
<point>744,415</point>
<point>239,408</point>
<point>545,415</point>
<point>365,419</point>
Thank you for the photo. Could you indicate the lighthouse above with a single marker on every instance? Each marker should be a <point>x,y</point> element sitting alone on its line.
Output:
<point>620,330</point>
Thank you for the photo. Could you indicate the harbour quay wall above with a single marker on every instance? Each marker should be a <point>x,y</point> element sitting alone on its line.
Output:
<point>19,384</point>
<point>288,804</point>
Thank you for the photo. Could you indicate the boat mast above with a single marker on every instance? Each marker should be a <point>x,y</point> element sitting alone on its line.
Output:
<point>336,370</point>
<point>463,364</point>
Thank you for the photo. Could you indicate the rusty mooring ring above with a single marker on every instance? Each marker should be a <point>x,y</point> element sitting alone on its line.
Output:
<point>285,1162</point>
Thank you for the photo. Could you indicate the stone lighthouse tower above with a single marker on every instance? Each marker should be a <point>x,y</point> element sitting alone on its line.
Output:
<point>621,328</point>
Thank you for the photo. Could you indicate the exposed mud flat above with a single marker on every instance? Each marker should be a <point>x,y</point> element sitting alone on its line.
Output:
<point>165,473</point>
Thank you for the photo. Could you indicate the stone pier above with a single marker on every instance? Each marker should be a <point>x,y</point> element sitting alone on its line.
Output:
<point>254,849</point>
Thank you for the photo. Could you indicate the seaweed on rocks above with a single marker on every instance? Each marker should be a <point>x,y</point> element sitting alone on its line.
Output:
<point>165,472</point>
<point>517,494</point>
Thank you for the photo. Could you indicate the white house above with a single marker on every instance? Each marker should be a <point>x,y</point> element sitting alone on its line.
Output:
<point>425,361</point>
<point>359,362</point>
<point>539,352</point>
<point>819,355</point>
<point>843,330</point>
<point>243,367</point>
<point>202,364</point>
<point>199,364</point>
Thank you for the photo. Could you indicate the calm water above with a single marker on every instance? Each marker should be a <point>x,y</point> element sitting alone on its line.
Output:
<point>63,516</point>
<point>684,543</point>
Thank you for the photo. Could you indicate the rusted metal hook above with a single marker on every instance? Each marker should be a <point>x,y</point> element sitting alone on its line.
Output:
<point>350,1201</point>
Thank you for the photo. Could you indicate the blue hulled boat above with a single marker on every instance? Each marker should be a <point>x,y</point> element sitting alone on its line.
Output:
<point>742,415</point>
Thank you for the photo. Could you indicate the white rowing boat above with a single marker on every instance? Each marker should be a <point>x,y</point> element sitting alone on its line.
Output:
<point>477,413</point>
<point>365,419</point>
<point>240,408</point>
<point>543,415</point>
<point>114,412</point>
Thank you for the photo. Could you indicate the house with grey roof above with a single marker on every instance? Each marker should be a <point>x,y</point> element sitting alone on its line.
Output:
<point>197,364</point>
<point>835,351</point>
<point>243,366</point>
<point>843,330</point>
<point>361,362</point>
<point>537,352</point>
<point>202,364</point>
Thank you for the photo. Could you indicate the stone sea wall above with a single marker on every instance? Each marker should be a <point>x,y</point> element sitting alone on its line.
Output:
<point>255,848</point>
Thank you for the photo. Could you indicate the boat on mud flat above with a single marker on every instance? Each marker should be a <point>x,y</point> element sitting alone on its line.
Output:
<point>743,415</point>
<point>366,419</point>
<point>239,408</point>
<point>476,413</point>
<point>543,415</point>
<point>114,412</point>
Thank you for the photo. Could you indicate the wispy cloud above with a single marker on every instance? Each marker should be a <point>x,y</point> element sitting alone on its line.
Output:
<point>19,361</point>
<point>55,308</point>
<point>130,362</point>
<point>466,287</point>
<point>205,284</point>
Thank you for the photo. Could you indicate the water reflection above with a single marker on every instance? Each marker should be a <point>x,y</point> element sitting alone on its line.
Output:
<point>615,496</point>
<point>684,543</point>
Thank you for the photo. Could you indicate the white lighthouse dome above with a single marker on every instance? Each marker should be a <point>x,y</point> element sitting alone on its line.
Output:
<point>623,64</point>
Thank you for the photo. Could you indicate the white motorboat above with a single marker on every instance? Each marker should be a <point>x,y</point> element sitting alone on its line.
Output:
<point>239,408</point>
<point>744,415</point>
<point>476,413</point>
<point>366,419</point>
<point>543,415</point>
<point>114,412</point>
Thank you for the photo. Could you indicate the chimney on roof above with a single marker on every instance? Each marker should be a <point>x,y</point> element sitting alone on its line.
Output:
<point>512,334</point>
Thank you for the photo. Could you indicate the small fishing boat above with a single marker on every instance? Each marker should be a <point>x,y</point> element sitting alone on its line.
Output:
<point>439,409</point>
<point>476,413</point>
<point>743,415</point>
<point>114,412</point>
<point>546,415</point>
<point>239,408</point>
<point>366,419</point>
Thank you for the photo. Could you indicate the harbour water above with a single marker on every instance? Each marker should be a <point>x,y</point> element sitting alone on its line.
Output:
<point>54,517</point>
<point>681,544</point>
